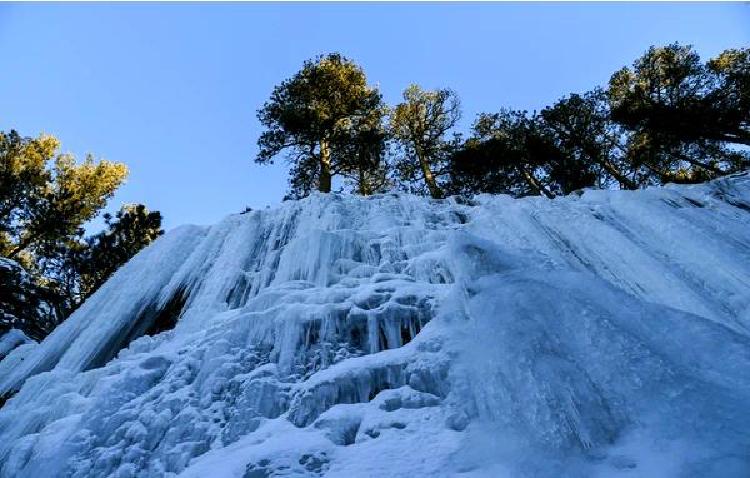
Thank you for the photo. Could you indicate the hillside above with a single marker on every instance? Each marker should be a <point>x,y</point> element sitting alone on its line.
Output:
<point>602,334</point>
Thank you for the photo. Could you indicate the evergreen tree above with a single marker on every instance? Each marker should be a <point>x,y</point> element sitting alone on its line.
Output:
<point>509,153</point>
<point>133,228</point>
<point>730,97</point>
<point>682,114</point>
<point>420,125</point>
<point>485,166</point>
<point>305,116</point>
<point>46,196</point>
<point>24,180</point>
<point>592,143</point>
<point>360,149</point>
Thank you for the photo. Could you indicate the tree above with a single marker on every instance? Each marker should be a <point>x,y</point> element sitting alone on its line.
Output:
<point>679,110</point>
<point>496,158</point>
<point>305,115</point>
<point>48,269</point>
<point>730,97</point>
<point>24,178</point>
<point>509,152</point>
<point>24,304</point>
<point>46,196</point>
<point>420,124</point>
<point>360,149</point>
<point>486,166</point>
<point>133,228</point>
<point>582,130</point>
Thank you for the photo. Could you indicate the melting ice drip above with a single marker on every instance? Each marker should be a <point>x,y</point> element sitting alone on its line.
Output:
<point>395,336</point>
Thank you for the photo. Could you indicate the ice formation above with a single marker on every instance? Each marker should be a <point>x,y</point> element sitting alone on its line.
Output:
<point>601,334</point>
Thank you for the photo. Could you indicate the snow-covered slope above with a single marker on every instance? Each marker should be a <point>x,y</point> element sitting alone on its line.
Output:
<point>606,334</point>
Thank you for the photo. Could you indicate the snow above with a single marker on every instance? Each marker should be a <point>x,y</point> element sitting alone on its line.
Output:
<point>12,339</point>
<point>603,334</point>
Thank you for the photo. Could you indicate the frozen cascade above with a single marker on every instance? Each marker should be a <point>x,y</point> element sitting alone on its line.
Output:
<point>601,334</point>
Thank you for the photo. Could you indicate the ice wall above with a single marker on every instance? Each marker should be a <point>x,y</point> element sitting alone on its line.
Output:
<point>592,335</point>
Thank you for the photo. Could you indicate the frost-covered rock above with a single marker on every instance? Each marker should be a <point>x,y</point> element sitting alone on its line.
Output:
<point>606,334</point>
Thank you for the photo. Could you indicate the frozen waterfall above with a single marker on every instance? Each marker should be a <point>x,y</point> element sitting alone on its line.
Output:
<point>601,334</point>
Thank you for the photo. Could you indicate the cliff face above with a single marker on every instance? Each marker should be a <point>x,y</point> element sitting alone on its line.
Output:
<point>592,335</point>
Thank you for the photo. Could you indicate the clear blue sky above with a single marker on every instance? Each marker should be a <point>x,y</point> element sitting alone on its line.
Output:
<point>172,89</point>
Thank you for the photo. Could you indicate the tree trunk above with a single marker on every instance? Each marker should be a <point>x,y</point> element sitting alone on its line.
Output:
<point>364,187</point>
<point>664,175</point>
<point>21,246</point>
<point>700,164</point>
<point>624,182</point>
<point>536,185</point>
<point>429,179</point>
<point>325,167</point>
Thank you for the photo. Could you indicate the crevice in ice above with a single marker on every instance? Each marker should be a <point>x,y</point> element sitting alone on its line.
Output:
<point>461,217</point>
<point>362,386</point>
<point>151,320</point>
<point>7,396</point>
<point>695,203</point>
<point>672,203</point>
<point>304,346</point>
<point>341,428</point>
<point>740,205</point>
<point>166,316</point>
<point>238,294</point>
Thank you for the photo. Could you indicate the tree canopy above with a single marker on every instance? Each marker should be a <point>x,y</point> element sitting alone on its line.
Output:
<point>46,199</point>
<point>667,118</point>
<point>131,229</point>
<point>420,124</point>
<point>46,196</point>
<point>683,114</point>
<point>309,114</point>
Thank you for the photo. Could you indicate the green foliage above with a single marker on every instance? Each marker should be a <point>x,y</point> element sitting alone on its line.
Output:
<point>308,115</point>
<point>580,127</point>
<point>731,94</point>
<point>507,153</point>
<point>133,228</point>
<point>24,180</point>
<point>45,199</point>
<point>360,148</point>
<point>668,118</point>
<point>420,125</point>
<point>46,196</point>
<point>681,112</point>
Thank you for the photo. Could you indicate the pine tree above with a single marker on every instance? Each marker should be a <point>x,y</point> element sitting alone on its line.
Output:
<point>360,149</point>
<point>730,97</point>
<point>305,116</point>
<point>682,114</point>
<point>131,229</point>
<point>45,199</point>
<point>507,153</point>
<point>581,129</point>
<point>46,196</point>
<point>420,125</point>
